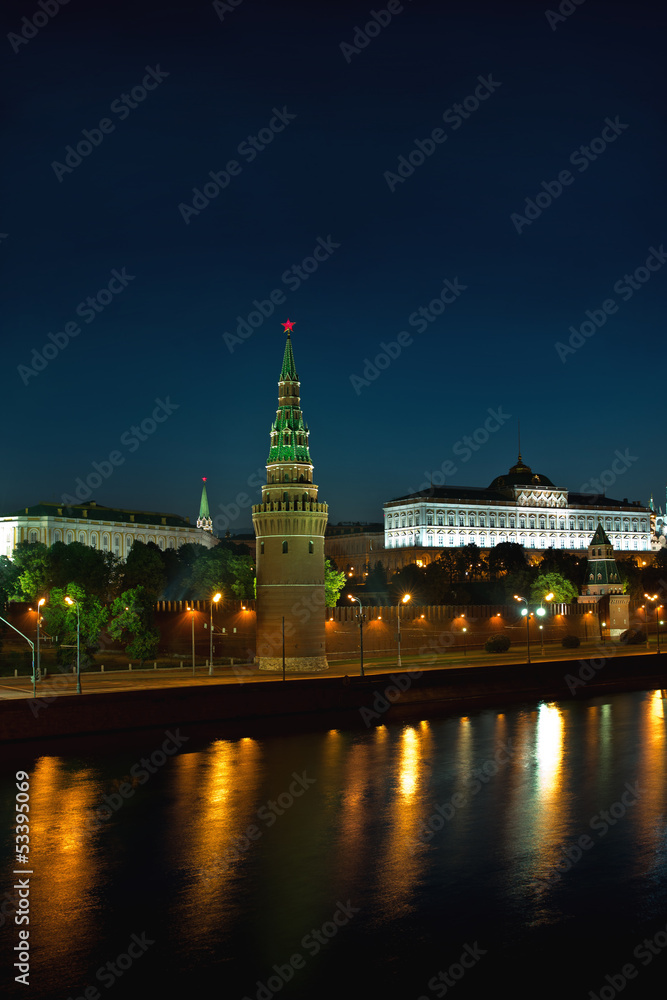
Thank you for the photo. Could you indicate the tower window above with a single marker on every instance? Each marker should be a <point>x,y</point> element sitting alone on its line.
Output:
<point>311,548</point>
<point>261,548</point>
<point>284,547</point>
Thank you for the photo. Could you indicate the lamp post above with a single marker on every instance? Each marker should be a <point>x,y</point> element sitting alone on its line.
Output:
<point>361,634</point>
<point>214,600</point>
<point>32,647</point>
<point>524,612</point>
<point>70,600</point>
<point>603,626</point>
<point>465,644</point>
<point>41,601</point>
<point>192,613</point>
<point>403,600</point>
<point>658,624</point>
<point>653,599</point>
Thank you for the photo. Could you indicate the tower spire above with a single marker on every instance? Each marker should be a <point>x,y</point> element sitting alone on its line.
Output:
<point>204,520</point>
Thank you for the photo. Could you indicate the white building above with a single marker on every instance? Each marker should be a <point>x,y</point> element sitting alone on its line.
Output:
<point>100,527</point>
<point>522,507</point>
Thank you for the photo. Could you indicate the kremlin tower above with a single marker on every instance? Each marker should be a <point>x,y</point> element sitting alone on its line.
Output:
<point>290,524</point>
<point>204,520</point>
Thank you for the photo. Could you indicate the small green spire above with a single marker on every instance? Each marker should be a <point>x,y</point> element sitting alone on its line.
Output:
<point>288,370</point>
<point>203,507</point>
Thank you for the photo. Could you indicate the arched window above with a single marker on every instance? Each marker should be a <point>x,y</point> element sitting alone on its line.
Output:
<point>429,517</point>
<point>311,548</point>
<point>543,521</point>
<point>116,545</point>
<point>531,521</point>
<point>105,542</point>
<point>57,535</point>
<point>284,547</point>
<point>33,536</point>
<point>441,518</point>
<point>501,521</point>
<point>160,542</point>
<point>82,537</point>
<point>513,521</point>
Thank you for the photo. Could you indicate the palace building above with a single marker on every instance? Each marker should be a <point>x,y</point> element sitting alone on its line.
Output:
<point>109,529</point>
<point>521,506</point>
<point>289,526</point>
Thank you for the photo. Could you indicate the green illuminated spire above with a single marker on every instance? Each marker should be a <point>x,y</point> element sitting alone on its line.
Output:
<point>289,432</point>
<point>288,370</point>
<point>204,520</point>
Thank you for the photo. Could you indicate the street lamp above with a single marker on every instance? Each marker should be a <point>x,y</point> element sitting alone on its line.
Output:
<point>361,634</point>
<point>214,600</point>
<point>403,600</point>
<point>192,612</point>
<point>70,600</point>
<point>653,599</point>
<point>41,601</point>
<point>658,624</point>
<point>526,615</point>
<point>465,644</point>
<point>32,647</point>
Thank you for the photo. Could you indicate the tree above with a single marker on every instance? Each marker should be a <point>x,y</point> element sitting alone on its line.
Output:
<point>83,565</point>
<point>8,578</point>
<point>61,621</point>
<point>144,568</point>
<point>133,622</point>
<point>334,581</point>
<point>507,557</point>
<point>565,563</point>
<point>242,570</point>
<point>563,590</point>
<point>32,573</point>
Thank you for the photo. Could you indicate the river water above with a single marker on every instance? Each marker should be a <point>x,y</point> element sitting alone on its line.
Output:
<point>522,849</point>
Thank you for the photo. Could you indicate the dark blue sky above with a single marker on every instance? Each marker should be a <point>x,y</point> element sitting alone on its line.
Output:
<point>332,125</point>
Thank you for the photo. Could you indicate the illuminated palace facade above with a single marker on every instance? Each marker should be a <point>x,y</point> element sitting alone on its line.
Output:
<point>105,528</point>
<point>522,507</point>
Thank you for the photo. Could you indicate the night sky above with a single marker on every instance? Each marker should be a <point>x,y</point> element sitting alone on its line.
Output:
<point>306,121</point>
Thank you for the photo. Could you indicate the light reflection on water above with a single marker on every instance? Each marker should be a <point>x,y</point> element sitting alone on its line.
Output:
<point>440,831</point>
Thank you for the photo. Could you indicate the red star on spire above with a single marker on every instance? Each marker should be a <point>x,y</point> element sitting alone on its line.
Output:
<point>288,326</point>
<point>203,479</point>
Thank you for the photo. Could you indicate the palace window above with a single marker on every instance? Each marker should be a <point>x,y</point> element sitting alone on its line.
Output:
<point>429,517</point>
<point>501,521</point>
<point>513,521</point>
<point>471,520</point>
<point>492,520</point>
<point>441,518</point>
<point>543,522</point>
<point>450,519</point>
<point>482,521</point>
<point>522,521</point>
<point>462,520</point>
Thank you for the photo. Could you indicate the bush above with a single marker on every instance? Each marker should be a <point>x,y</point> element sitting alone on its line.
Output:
<point>571,641</point>
<point>497,644</point>
<point>632,637</point>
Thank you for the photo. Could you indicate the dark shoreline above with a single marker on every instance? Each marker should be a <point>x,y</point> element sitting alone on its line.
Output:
<point>370,700</point>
